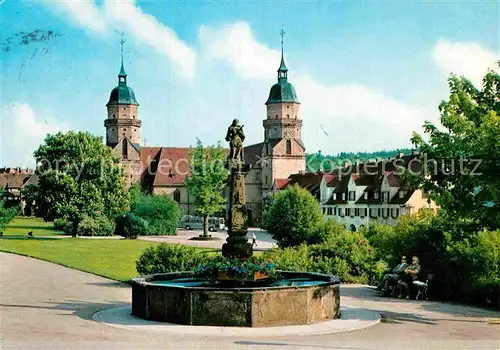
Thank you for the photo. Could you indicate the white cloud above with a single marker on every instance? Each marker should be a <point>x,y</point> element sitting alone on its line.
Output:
<point>144,29</point>
<point>235,44</point>
<point>464,58</point>
<point>23,132</point>
<point>355,116</point>
<point>83,13</point>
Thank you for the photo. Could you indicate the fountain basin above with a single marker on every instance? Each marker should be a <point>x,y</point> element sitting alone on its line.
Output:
<point>296,298</point>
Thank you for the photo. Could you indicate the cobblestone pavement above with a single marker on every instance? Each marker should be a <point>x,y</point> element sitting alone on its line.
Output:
<point>47,306</point>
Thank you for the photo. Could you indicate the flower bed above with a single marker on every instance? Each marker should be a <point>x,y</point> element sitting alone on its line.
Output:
<point>228,269</point>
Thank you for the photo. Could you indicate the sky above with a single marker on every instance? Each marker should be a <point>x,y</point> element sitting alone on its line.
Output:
<point>367,74</point>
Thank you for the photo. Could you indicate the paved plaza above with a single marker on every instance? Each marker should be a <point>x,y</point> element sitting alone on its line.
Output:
<point>48,306</point>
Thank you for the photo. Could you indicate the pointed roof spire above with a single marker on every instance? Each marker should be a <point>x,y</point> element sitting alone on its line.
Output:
<point>282,67</point>
<point>122,70</point>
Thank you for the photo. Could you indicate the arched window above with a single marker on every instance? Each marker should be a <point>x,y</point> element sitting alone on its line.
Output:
<point>352,228</point>
<point>177,196</point>
<point>124,149</point>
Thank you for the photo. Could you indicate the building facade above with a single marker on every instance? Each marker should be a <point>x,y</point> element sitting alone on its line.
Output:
<point>162,170</point>
<point>364,193</point>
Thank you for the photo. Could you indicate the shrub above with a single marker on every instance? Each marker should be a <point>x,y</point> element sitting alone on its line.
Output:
<point>170,258</point>
<point>6,215</point>
<point>291,258</point>
<point>95,226</point>
<point>292,217</point>
<point>130,226</point>
<point>62,224</point>
<point>161,213</point>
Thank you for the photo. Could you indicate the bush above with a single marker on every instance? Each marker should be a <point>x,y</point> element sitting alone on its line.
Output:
<point>62,224</point>
<point>95,226</point>
<point>291,258</point>
<point>170,258</point>
<point>6,215</point>
<point>161,213</point>
<point>292,217</point>
<point>130,226</point>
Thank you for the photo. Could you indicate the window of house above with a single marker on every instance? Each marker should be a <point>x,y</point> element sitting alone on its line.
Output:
<point>395,212</point>
<point>402,194</point>
<point>330,211</point>
<point>266,179</point>
<point>385,196</point>
<point>385,212</point>
<point>363,212</point>
<point>373,212</point>
<point>365,195</point>
<point>343,196</point>
<point>334,210</point>
<point>324,210</point>
<point>288,146</point>
<point>341,212</point>
<point>276,116</point>
<point>352,195</point>
<point>356,212</point>
<point>288,115</point>
<point>177,196</point>
<point>375,195</point>
<point>348,212</point>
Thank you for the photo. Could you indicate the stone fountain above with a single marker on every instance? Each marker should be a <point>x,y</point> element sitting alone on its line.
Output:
<point>294,298</point>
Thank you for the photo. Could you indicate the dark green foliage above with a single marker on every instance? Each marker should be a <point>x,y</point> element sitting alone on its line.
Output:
<point>130,226</point>
<point>466,264</point>
<point>343,253</point>
<point>79,178</point>
<point>63,225</point>
<point>95,226</point>
<point>207,180</point>
<point>170,258</point>
<point>319,162</point>
<point>135,192</point>
<point>462,158</point>
<point>160,212</point>
<point>6,215</point>
<point>293,217</point>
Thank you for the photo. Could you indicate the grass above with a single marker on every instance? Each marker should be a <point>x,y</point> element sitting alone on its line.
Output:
<point>20,227</point>
<point>114,259</point>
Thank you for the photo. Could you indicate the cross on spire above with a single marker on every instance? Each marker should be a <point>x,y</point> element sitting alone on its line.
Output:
<point>282,34</point>
<point>122,75</point>
<point>282,70</point>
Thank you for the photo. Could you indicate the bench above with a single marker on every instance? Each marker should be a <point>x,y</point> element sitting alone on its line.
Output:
<point>423,286</point>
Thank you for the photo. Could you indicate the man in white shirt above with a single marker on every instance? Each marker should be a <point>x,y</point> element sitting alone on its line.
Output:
<point>254,239</point>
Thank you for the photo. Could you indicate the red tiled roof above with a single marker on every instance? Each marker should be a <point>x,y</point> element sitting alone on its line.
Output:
<point>281,184</point>
<point>172,166</point>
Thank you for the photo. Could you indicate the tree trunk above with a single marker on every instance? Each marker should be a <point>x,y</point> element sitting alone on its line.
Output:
<point>75,228</point>
<point>205,225</point>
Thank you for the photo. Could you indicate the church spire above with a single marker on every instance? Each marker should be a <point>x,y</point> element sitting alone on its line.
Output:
<point>282,70</point>
<point>122,76</point>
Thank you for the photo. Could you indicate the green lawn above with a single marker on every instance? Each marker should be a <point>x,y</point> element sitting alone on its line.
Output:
<point>20,227</point>
<point>113,259</point>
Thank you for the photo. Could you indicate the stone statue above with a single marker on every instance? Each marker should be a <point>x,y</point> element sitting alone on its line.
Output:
<point>237,245</point>
<point>235,137</point>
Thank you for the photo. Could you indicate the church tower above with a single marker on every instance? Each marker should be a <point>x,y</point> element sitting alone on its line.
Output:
<point>283,152</point>
<point>123,127</point>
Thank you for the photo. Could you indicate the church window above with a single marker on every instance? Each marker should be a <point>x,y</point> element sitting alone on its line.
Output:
<point>288,115</point>
<point>288,146</point>
<point>124,108</point>
<point>124,149</point>
<point>295,117</point>
<point>124,129</point>
<point>177,195</point>
<point>276,116</point>
<point>266,179</point>
<point>114,116</point>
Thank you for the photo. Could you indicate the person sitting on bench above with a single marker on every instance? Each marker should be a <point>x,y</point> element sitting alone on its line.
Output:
<point>391,278</point>
<point>411,274</point>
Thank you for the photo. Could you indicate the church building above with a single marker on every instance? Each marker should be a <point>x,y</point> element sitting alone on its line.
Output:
<point>162,170</point>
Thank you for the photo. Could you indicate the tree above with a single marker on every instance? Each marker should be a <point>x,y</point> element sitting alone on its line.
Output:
<point>160,212</point>
<point>462,162</point>
<point>6,214</point>
<point>293,217</point>
<point>207,180</point>
<point>79,178</point>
